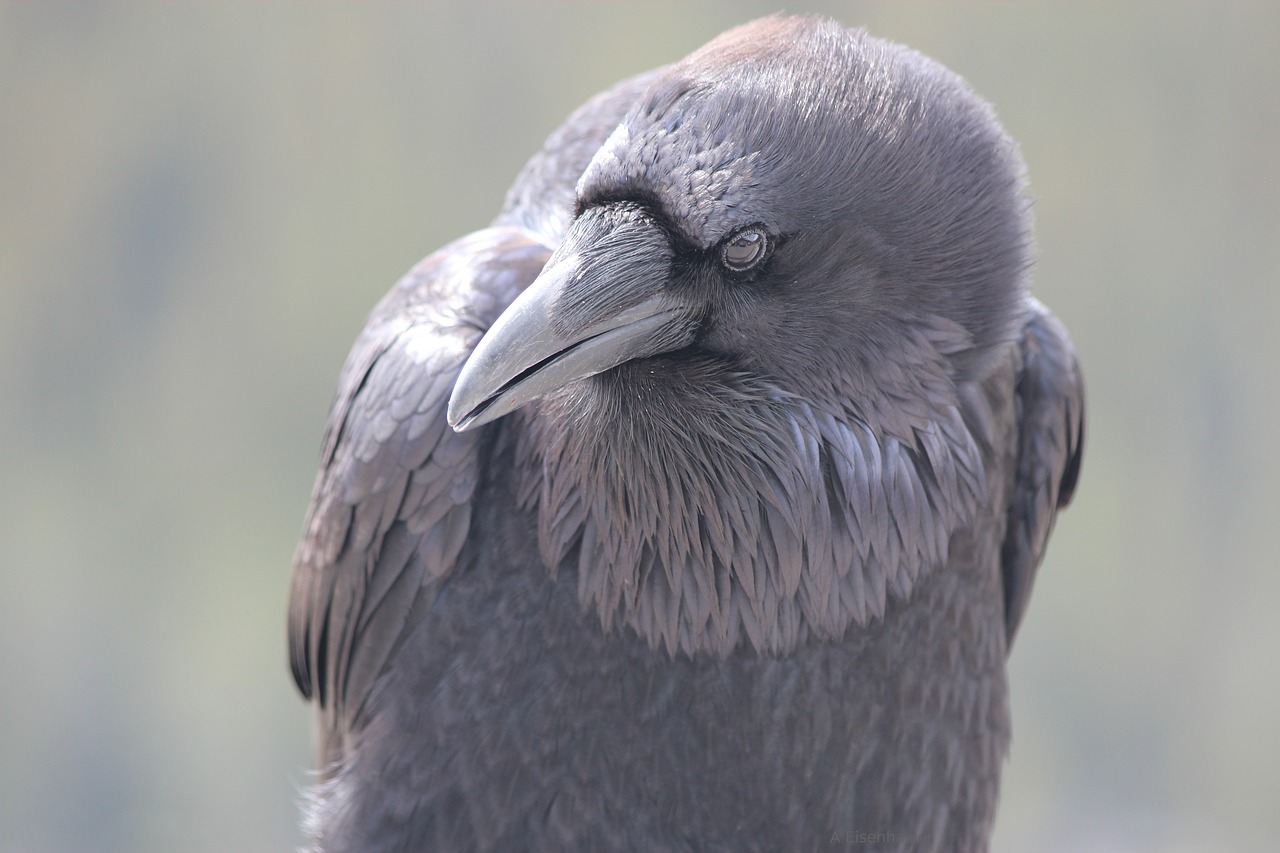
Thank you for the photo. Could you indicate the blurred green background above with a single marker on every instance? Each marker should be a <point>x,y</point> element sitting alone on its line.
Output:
<point>198,206</point>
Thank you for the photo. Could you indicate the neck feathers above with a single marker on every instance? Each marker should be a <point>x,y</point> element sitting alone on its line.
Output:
<point>705,515</point>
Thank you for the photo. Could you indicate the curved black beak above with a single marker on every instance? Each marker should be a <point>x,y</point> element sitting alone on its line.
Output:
<point>601,300</point>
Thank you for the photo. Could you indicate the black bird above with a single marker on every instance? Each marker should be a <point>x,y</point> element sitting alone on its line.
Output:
<point>757,440</point>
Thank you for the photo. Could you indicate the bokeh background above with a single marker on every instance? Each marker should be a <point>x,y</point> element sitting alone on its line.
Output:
<point>199,205</point>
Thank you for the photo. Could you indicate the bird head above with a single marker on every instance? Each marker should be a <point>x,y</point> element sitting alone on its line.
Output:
<point>793,201</point>
<point>742,364</point>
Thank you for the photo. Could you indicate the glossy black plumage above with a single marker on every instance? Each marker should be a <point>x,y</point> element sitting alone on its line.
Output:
<point>721,559</point>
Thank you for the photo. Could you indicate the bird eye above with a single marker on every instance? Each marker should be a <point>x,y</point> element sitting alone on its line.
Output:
<point>744,250</point>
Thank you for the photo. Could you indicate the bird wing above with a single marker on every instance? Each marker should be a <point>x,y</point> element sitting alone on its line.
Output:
<point>1050,406</point>
<point>392,502</point>
<point>391,506</point>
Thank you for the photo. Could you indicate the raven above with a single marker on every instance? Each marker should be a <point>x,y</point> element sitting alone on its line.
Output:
<point>694,503</point>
